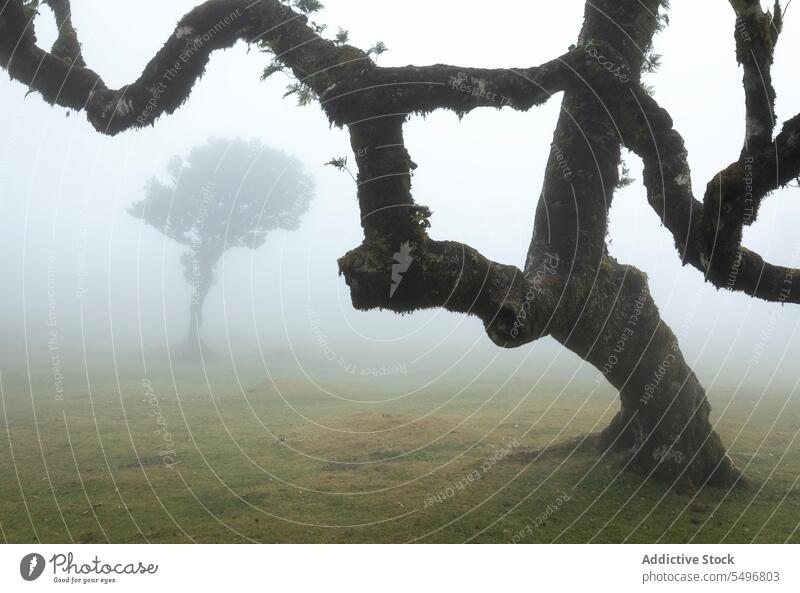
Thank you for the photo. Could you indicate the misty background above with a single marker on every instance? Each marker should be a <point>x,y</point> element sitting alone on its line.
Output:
<point>113,290</point>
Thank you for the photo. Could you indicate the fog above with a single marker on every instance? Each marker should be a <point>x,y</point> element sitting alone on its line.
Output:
<point>85,278</point>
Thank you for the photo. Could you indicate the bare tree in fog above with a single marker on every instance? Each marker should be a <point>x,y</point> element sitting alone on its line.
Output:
<point>226,194</point>
<point>571,288</point>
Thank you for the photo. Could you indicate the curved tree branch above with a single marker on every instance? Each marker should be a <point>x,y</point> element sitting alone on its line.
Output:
<point>346,80</point>
<point>515,309</point>
<point>399,268</point>
<point>162,87</point>
<point>414,89</point>
<point>704,232</point>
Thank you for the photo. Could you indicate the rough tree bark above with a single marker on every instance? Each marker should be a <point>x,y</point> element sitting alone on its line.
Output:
<point>608,317</point>
<point>571,289</point>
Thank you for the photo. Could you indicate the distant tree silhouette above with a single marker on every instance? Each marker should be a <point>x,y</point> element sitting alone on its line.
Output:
<point>226,194</point>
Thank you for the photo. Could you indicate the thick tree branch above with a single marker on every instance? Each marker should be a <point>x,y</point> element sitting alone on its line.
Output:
<point>163,86</point>
<point>66,46</point>
<point>756,36</point>
<point>708,235</point>
<point>167,80</point>
<point>348,83</point>
<point>515,309</point>
<point>399,268</point>
<point>413,89</point>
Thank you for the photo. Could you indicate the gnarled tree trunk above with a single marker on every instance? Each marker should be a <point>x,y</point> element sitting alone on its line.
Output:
<point>571,289</point>
<point>663,426</point>
<point>606,314</point>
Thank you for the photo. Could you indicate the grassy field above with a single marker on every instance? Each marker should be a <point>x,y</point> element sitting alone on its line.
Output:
<point>195,456</point>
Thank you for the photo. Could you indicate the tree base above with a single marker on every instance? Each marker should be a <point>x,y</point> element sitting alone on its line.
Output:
<point>689,457</point>
<point>712,467</point>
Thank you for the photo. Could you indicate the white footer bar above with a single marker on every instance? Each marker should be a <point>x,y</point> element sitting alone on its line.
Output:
<point>395,568</point>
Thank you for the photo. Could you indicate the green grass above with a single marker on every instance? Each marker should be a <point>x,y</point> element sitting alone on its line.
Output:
<point>252,468</point>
